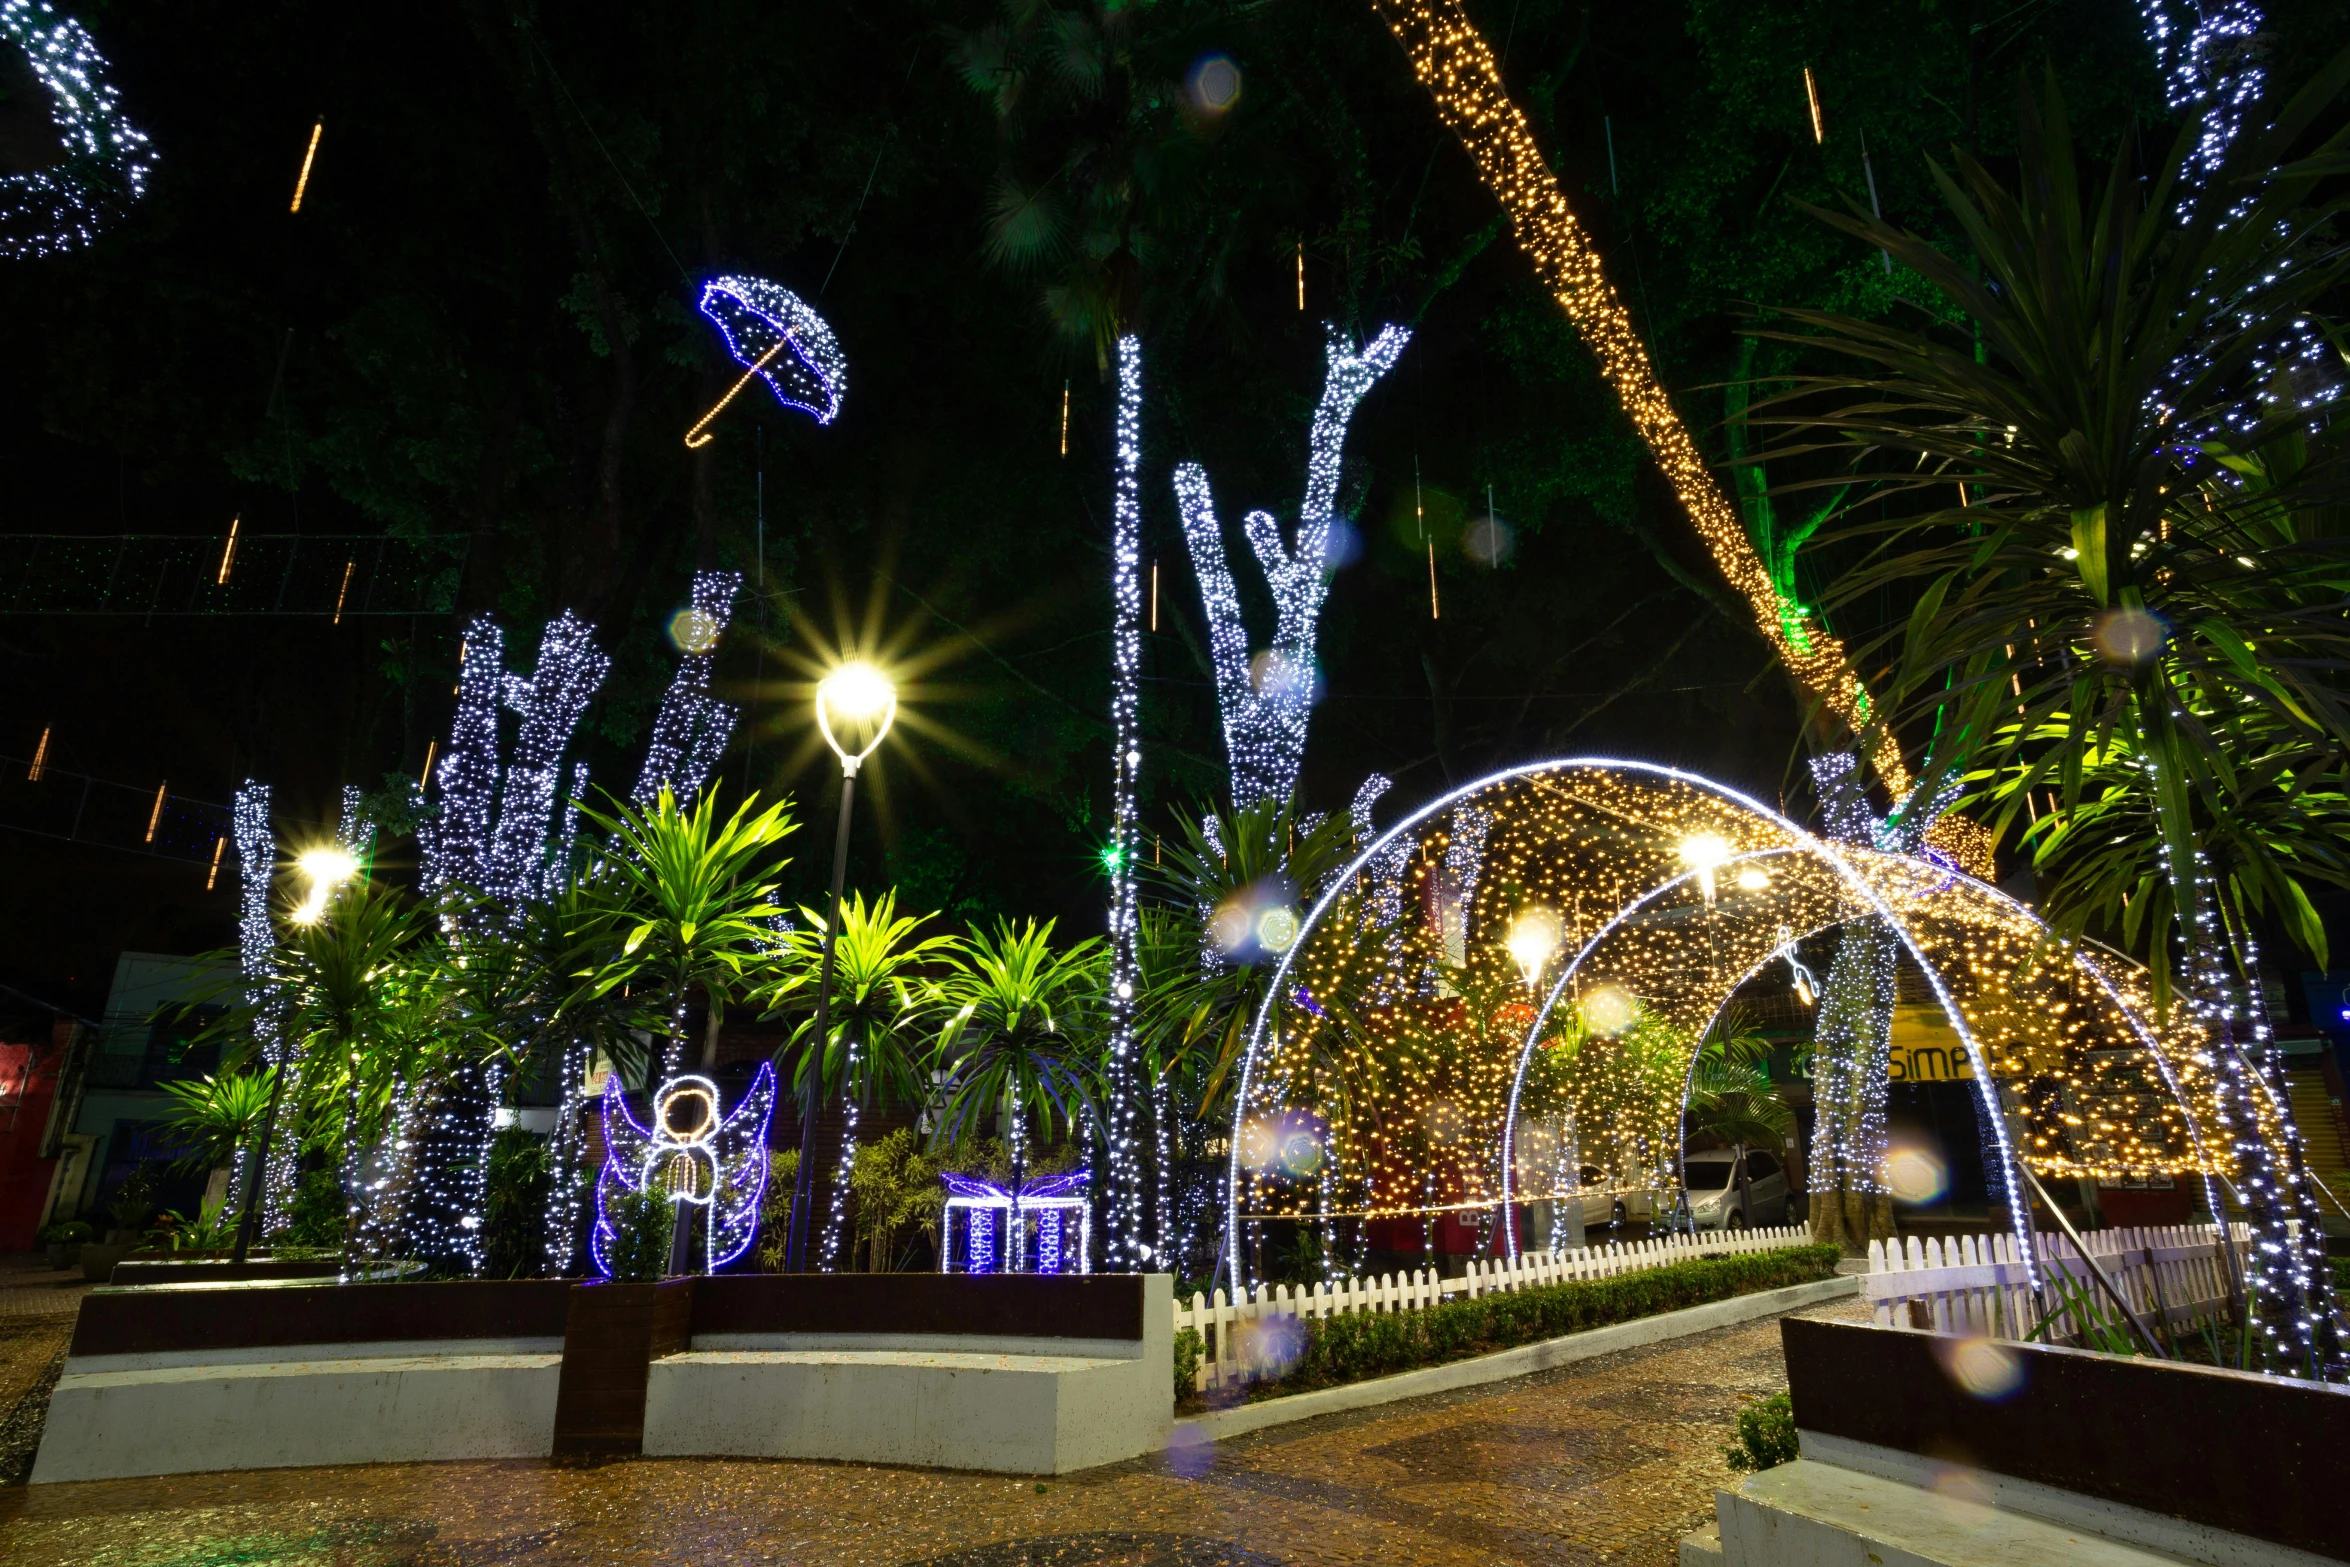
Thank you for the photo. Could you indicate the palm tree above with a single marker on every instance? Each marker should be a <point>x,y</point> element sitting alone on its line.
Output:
<point>881,1005</point>
<point>214,1117</point>
<point>2145,558</point>
<point>1021,1039</point>
<point>681,902</point>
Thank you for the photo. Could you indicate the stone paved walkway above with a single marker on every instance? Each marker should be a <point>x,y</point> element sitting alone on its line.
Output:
<point>1607,1461</point>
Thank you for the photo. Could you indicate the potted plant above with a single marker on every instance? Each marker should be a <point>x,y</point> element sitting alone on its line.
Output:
<point>64,1241</point>
<point>132,1206</point>
<point>616,1327</point>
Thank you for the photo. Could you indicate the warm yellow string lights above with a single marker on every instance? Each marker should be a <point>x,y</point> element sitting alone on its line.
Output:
<point>1456,65</point>
<point>1383,1086</point>
<point>696,439</point>
<point>309,155</point>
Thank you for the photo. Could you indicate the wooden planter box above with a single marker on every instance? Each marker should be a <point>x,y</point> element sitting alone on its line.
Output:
<point>612,1333</point>
<point>2231,1450</point>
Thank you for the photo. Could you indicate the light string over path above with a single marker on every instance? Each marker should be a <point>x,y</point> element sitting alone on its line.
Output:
<point>1453,61</point>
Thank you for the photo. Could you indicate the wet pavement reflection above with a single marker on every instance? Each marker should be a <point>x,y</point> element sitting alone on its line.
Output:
<point>1612,1460</point>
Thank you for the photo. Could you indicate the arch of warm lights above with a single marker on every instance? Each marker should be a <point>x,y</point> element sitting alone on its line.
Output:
<point>1415,1055</point>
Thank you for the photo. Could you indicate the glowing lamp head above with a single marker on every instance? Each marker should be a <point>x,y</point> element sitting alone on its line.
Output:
<point>855,696</point>
<point>1534,938</point>
<point>327,868</point>
<point>1704,853</point>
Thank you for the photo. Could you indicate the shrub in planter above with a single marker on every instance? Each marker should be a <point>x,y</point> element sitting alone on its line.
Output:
<point>1362,1345</point>
<point>63,1239</point>
<point>1766,1435</point>
<point>640,1241</point>
<point>521,1179</point>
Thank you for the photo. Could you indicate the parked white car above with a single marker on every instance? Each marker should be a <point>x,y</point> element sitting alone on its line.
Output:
<point>1714,1198</point>
<point>1605,1203</point>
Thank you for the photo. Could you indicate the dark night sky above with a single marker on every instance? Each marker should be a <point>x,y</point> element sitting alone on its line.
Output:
<point>500,194</point>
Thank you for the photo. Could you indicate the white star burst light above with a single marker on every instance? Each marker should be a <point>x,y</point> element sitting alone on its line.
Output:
<point>1125,977</point>
<point>691,732</point>
<point>1266,703</point>
<point>102,162</point>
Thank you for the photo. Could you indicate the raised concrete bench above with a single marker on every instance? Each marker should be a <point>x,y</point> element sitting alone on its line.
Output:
<point>939,1371</point>
<point>1025,1375</point>
<point>2103,1460</point>
<point>179,1379</point>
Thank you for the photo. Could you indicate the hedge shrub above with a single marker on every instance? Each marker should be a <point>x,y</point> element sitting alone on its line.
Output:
<point>1362,1345</point>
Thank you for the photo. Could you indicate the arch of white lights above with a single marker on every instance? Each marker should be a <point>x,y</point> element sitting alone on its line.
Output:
<point>1804,842</point>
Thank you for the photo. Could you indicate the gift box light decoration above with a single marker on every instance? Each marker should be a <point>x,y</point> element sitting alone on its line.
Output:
<point>1266,700</point>
<point>693,1155</point>
<point>1423,1093</point>
<point>101,162</point>
<point>1042,1225</point>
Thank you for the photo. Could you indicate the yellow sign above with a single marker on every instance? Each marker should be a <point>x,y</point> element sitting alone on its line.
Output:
<point>1926,1049</point>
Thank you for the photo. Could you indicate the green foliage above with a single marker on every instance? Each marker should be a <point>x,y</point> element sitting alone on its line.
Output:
<point>133,1201</point>
<point>213,1115</point>
<point>1766,1436</point>
<point>1019,1035</point>
<point>1362,1345</point>
<point>209,1229</point>
<point>1731,1096</point>
<point>881,1002</point>
<point>514,1233</point>
<point>319,1217</point>
<point>66,1232</point>
<point>641,1225</point>
<point>895,1188</point>
<point>1190,1349</point>
<point>783,1170</point>
<point>2132,622</point>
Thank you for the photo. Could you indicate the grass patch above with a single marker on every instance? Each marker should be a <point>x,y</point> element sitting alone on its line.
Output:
<point>1363,1345</point>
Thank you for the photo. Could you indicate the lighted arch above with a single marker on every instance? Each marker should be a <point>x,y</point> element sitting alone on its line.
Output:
<point>1376,1045</point>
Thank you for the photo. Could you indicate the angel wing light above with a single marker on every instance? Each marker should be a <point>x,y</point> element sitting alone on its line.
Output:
<point>693,1157</point>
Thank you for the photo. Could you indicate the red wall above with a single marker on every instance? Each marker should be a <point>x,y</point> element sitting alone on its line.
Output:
<point>24,1116</point>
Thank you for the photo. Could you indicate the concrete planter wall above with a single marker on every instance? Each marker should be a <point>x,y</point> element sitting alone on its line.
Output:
<point>1926,1447</point>
<point>1014,1374</point>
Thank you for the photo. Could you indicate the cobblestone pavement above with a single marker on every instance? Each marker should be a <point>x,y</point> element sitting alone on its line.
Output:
<point>1608,1461</point>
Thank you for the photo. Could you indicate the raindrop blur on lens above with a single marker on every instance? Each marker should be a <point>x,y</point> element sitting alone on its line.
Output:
<point>691,631</point>
<point>1984,1367</point>
<point>1344,548</point>
<point>1276,929</point>
<point>1214,84</point>
<point>2127,636</point>
<point>1489,541</point>
<point>1916,1176</point>
<point>1608,1010</point>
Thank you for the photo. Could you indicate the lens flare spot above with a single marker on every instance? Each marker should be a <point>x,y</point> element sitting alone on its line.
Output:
<point>691,631</point>
<point>1986,1368</point>
<point>1214,84</point>
<point>1609,1010</point>
<point>1916,1176</point>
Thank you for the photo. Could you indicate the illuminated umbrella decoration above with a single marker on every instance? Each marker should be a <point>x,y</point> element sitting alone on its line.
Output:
<point>772,331</point>
<point>65,172</point>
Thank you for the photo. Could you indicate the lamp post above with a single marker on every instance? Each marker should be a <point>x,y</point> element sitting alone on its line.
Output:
<point>859,695</point>
<point>327,869</point>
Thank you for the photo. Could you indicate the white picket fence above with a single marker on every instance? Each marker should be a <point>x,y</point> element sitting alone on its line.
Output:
<point>1249,1338</point>
<point>1973,1284</point>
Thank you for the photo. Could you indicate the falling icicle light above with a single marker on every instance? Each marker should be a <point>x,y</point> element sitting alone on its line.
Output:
<point>228,553</point>
<point>309,155</point>
<point>1811,94</point>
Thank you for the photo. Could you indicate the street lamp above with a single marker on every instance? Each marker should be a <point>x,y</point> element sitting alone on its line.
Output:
<point>858,698</point>
<point>1534,939</point>
<point>328,867</point>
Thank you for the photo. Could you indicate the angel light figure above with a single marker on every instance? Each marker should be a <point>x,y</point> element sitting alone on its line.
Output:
<point>692,1156</point>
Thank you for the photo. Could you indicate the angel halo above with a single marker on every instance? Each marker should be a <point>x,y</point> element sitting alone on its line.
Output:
<point>691,1156</point>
